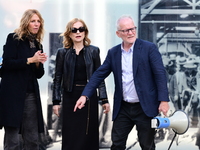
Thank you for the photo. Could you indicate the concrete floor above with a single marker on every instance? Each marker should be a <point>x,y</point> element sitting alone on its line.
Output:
<point>185,142</point>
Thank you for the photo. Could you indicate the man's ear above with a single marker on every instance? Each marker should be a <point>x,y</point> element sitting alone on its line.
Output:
<point>118,34</point>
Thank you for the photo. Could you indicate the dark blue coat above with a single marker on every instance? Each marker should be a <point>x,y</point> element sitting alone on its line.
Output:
<point>149,77</point>
<point>14,83</point>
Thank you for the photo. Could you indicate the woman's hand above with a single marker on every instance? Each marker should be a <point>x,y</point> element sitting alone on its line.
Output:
<point>106,107</point>
<point>37,58</point>
<point>56,110</point>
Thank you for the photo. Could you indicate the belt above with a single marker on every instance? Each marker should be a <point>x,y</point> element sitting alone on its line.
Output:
<point>130,102</point>
<point>79,84</point>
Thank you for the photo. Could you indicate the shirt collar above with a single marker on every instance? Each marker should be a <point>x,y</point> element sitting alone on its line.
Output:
<point>131,48</point>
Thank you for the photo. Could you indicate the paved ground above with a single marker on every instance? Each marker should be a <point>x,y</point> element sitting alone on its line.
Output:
<point>184,142</point>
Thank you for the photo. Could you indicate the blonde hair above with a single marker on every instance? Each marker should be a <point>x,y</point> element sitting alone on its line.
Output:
<point>67,41</point>
<point>22,30</point>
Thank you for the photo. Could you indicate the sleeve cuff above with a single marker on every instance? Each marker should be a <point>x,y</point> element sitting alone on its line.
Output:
<point>56,102</point>
<point>104,101</point>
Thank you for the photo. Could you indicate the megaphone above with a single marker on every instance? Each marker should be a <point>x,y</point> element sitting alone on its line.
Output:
<point>179,122</point>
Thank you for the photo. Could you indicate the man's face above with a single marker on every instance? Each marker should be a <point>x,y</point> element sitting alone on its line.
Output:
<point>127,31</point>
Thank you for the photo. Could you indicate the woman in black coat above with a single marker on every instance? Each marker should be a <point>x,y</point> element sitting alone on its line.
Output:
<point>75,64</point>
<point>20,104</point>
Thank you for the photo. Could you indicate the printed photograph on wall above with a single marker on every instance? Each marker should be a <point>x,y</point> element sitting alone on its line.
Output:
<point>173,25</point>
<point>53,122</point>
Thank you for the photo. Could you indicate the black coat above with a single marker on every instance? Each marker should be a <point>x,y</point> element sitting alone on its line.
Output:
<point>14,83</point>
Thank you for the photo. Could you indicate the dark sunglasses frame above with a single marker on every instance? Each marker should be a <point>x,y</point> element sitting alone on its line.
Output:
<point>127,31</point>
<point>74,30</point>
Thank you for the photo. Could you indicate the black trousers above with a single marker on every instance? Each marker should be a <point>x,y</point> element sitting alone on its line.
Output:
<point>131,114</point>
<point>28,139</point>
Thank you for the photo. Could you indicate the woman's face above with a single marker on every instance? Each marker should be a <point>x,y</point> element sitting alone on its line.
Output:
<point>77,32</point>
<point>34,24</point>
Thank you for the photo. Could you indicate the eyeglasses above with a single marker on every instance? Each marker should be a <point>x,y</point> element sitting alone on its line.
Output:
<point>74,30</point>
<point>127,30</point>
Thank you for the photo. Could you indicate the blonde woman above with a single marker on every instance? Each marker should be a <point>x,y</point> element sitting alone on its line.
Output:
<point>20,104</point>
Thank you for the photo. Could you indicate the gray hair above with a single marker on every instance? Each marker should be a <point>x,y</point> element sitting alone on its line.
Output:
<point>123,17</point>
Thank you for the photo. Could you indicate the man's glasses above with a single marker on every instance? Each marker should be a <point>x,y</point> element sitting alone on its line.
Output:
<point>127,30</point>
<point>74,30</point>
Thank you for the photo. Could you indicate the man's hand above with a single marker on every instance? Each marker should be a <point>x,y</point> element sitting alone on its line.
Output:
<point>80,103</point>
<point>106,107</point>
<point>56,110</point>
<point>164,107</point>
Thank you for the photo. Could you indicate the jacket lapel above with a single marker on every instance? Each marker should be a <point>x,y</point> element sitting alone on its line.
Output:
<point>118,64</point>
<point>136,54</point>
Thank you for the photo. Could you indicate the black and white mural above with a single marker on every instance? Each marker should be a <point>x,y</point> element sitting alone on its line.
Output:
<point>174,26</point>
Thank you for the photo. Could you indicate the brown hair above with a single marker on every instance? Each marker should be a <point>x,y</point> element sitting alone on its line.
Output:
<point>22,30</point>
<point>67,41</point>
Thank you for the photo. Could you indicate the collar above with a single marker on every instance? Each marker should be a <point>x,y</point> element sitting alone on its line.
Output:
<point>131,48</point>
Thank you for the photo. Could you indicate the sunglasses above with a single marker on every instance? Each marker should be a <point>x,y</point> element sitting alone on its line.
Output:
<point>74,30</point>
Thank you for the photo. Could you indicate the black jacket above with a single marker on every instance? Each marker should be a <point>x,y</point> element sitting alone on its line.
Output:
<point>65,67</point>
<point>14,83</point>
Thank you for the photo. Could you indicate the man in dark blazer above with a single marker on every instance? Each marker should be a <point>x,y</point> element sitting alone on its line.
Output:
<point>140,86</point>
